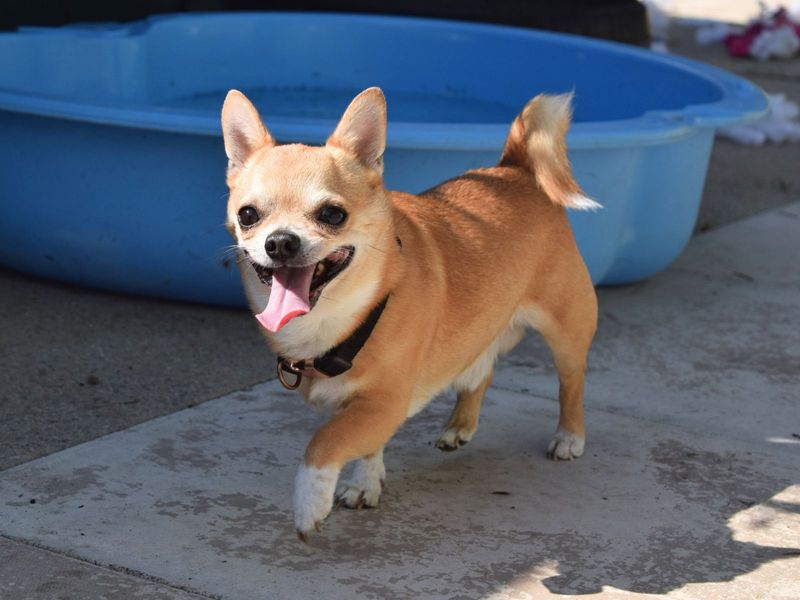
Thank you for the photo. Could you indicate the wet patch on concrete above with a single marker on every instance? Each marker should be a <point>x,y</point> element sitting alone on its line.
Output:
<point>668,559</point>
<point>688,538</point>
<point>773,361</point>
<point>164,453</point>
<point>43,489</point>
<point>722,481</point>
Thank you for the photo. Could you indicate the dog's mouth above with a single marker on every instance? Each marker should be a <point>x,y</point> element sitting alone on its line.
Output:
<point>295,290</point>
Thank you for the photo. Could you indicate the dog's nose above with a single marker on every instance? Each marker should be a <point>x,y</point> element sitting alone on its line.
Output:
<point>282,245</point>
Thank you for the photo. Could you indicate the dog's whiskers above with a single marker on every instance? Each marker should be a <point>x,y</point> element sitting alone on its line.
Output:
<point>232,249</point>
<point>233,252</point>
<point>376,248</point>
<point>323,295</point>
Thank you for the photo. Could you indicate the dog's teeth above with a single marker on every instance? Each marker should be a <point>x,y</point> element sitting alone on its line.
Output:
<point>319,270</point>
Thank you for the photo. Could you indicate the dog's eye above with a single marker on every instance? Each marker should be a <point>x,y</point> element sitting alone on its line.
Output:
<point>248,216</point>
<point>331,215</point>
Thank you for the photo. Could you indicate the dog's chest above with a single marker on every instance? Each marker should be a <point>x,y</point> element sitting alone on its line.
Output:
<point>327,395</point>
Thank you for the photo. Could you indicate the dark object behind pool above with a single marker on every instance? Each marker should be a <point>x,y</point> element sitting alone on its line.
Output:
<point>619,20</point>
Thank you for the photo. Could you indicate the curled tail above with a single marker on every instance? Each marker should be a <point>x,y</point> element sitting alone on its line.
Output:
<point>536,143</point>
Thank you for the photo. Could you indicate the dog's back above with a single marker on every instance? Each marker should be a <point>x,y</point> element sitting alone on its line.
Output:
<point>492,252</point>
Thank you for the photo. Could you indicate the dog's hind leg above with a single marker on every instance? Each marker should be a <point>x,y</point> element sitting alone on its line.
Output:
<point>463,420</point>
<point>568,332</point>
<point>471,386</point>
<point>568,441</point>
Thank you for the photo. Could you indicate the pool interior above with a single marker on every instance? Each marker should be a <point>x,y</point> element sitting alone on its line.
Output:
<point>293,66</point>
<point>324,103</point>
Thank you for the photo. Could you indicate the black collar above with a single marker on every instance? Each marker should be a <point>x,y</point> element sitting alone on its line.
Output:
<point>335,361</point>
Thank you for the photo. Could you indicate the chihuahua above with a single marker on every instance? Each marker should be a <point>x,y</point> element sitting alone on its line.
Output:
<point>377,301</point>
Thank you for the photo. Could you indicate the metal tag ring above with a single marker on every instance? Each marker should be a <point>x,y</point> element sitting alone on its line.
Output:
<point>282,370</point>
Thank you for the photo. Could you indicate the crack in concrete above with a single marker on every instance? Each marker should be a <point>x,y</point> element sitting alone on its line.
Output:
<point>119,569</point>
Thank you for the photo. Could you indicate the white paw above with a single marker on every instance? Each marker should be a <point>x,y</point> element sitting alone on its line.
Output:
<point>313,497</point>
<point>453,438</point>
<point>565,446</point>
<point>365,487</point>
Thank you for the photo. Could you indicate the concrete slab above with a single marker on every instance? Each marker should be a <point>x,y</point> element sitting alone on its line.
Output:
<point>201,499</point>
<point>689,489</point>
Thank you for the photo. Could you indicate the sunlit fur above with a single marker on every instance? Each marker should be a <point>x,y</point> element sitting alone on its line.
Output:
<point>537,142</point>
<point>481,257</point>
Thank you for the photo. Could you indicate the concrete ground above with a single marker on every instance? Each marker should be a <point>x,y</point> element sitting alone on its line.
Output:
<point>689,487</point>
<point>77,364</point>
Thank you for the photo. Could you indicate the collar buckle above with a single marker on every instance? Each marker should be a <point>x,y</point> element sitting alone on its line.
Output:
<point>298,368</point>
<point>335,361</point>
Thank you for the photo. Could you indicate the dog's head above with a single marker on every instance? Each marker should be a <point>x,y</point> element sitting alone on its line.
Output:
<point>304,218</point>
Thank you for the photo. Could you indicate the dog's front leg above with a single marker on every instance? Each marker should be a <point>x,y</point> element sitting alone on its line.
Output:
<point>360,430</point>
<point>365,486</point>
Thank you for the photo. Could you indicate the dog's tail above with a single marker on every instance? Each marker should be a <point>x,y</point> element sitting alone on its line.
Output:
<point>536,143</point>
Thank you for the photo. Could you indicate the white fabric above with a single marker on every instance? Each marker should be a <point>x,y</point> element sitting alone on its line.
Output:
<point>781,42</point>
<point>779,126</point>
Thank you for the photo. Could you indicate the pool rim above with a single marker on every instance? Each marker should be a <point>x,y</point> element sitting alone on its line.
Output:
<point>740,101</point>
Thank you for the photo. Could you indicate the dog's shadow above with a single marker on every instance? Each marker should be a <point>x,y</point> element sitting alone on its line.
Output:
<point>497,515</point>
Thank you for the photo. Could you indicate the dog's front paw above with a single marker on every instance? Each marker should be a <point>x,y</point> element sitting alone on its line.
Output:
<point>313,497</point>
<point>365,487</point>
<point>453,438</point>
<point>565,446</point>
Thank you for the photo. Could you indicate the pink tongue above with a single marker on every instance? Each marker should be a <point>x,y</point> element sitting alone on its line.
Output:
<point>288,298</point>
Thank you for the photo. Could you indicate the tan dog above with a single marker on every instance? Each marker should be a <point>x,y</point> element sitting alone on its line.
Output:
<point>459,272</point>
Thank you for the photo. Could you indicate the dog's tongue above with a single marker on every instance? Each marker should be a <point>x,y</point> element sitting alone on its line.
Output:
<point>288,298</point>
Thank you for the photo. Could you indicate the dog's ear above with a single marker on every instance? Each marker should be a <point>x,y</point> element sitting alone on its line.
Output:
<point>243,131</point>
<point>362,129</point>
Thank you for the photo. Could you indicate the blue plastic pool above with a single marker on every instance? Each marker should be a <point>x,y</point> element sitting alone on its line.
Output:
<point>113,164</point>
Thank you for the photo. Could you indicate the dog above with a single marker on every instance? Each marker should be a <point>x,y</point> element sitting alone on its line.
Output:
<point>377,301</point>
